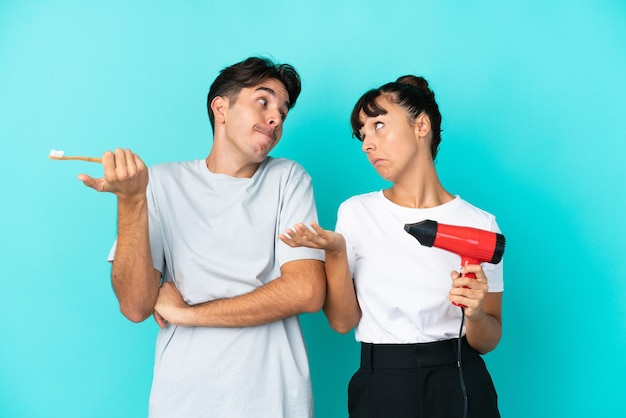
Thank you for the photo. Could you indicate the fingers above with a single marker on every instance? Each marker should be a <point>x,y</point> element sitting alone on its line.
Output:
<point>467,291</point>
<point>159,320</point>
<point>473,291</point>
<point>318,229</point>
<point>125,174</point>
<point>96,184</point>
<point>296,236</point>
<point>476,269</point>
<point>304,232</point>
<point>302,236</point>
<point>119,164</point>
<point>127,163</point>
<point>108,163</point>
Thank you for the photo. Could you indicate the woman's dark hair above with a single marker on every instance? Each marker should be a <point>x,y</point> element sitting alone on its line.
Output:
<point>410,92</point>
<point>251,72</point>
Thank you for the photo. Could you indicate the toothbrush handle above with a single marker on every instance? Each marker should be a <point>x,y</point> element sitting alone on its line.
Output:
<point>80,158</point>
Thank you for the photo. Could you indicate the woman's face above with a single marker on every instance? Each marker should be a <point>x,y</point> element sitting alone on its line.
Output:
<point>389,141</point>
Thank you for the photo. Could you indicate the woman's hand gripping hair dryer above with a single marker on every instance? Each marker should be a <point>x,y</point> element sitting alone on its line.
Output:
<point>473,245</point>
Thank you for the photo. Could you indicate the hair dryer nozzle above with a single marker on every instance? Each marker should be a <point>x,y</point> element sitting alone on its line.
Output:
<point>472,244</point>
<point>425,232</point>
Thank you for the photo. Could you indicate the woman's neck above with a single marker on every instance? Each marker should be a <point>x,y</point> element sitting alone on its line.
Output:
<point>423,191</point>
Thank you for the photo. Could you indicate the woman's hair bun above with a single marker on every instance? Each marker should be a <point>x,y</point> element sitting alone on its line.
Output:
<point>415,81</point>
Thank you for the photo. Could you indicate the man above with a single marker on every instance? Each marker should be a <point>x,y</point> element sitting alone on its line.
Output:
<point>230,344</point>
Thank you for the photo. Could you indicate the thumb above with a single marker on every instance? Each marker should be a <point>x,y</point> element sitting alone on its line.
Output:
<point>96,184</point>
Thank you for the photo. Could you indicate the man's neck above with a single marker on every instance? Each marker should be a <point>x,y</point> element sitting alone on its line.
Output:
<point>231,167</point>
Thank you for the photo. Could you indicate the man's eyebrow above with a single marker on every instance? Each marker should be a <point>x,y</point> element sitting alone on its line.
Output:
<point>273,93</point>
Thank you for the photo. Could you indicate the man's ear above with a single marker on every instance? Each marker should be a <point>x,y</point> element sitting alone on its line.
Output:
<point>219,106</point>
<point>422,125</point>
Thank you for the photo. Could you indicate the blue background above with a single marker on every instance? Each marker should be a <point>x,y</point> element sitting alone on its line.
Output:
<point>531,94</point>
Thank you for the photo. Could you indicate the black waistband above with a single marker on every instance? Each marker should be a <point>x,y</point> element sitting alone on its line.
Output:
<point>412,356</point>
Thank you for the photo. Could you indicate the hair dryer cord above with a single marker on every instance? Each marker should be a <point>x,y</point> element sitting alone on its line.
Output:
<point>460,364</point>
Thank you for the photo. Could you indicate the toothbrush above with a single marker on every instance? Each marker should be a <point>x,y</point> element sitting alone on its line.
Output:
<point>60,155</point>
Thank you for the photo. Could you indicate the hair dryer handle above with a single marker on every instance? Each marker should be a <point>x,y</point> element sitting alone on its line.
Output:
<point>464,262</point>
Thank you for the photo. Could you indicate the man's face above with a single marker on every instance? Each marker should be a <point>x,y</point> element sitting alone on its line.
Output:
<point>254,123</point>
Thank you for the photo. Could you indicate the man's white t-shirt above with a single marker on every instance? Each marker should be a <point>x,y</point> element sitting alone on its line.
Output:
<point>216,236</point>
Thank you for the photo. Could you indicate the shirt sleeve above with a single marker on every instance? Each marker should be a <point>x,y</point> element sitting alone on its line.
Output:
<point>494,272</point>
<point>297,206</point>
<point>344,227</point>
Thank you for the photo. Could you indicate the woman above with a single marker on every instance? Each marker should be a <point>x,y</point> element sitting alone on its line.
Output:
<point>395,292</point>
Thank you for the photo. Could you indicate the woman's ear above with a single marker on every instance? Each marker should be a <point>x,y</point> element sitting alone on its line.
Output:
<point>422,125</point>
<point>219,106</point>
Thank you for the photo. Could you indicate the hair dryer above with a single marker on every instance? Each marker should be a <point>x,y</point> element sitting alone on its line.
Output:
<point>474,245</point>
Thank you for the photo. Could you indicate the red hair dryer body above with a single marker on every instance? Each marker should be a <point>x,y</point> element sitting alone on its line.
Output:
<point>473,245</point>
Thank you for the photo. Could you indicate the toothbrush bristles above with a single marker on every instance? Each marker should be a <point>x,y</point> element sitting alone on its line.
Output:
<point>60,155</point>
<point>56,153</point>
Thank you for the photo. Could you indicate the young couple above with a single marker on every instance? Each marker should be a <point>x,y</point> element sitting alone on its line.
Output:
<point>200,247</point>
